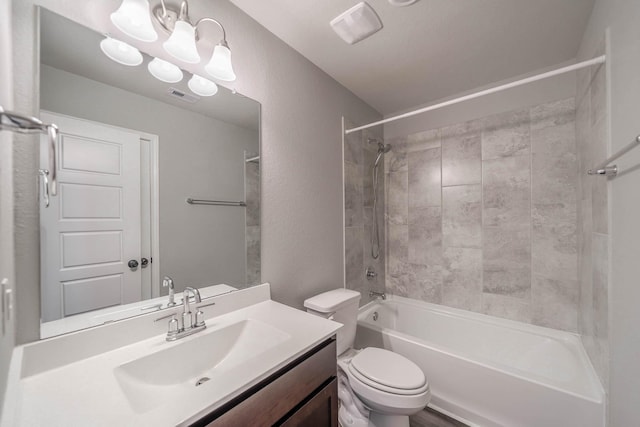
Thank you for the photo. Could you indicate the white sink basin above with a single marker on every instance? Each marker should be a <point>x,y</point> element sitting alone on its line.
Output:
<point>198,361</point>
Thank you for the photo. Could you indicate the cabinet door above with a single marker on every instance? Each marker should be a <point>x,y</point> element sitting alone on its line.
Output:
<point>320,411</point>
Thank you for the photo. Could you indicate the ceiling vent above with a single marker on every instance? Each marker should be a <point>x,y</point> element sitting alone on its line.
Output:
<point>357,23</point>
<point>186,97</point>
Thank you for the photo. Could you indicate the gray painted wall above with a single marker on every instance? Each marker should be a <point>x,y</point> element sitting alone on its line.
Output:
<point>6,190</point>
<point>199,157</point>
<point>302,209</point>
<point>620,17</point>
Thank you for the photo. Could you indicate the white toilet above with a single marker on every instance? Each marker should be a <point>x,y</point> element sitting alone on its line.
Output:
<point>376,387</point>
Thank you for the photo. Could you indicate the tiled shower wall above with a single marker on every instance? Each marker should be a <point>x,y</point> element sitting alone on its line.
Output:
<point>252,218</point>
<point>481,216</point>
<point>359,156</point>
<point>593,218</point>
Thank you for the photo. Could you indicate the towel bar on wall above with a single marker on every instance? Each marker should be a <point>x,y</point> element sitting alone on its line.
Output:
<point>604,168</point>
<point>15,122</point>
<point>214,202</point>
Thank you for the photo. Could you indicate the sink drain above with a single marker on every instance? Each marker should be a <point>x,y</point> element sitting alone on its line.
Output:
<point>202,381</point>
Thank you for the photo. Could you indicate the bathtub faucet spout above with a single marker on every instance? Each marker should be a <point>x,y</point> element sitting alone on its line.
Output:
<point>374,294</point>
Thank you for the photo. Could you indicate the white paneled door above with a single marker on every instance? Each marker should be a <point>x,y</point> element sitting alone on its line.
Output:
<point>92,229</point>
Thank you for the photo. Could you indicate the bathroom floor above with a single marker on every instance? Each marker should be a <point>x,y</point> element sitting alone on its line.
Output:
<point>431,418</point>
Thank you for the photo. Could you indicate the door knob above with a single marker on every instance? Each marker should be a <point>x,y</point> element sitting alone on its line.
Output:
<point>144,262</point>
<point>133,264</point>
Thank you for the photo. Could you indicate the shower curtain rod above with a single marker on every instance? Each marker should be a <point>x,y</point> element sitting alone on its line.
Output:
<point>563,70</point>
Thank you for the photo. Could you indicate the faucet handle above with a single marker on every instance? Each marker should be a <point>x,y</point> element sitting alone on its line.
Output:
<point>173,326</point>
<point>199,318</point>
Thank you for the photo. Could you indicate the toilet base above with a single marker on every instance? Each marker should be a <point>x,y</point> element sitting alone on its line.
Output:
<point>381,420</point>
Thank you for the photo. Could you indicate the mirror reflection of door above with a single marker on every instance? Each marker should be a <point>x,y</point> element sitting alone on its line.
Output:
<point>91,234</point>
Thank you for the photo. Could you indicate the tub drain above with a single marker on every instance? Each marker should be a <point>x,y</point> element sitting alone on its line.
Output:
<point>202,381</point>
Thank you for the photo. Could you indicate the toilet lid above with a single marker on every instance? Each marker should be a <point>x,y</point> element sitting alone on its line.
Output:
<point>388,369</point>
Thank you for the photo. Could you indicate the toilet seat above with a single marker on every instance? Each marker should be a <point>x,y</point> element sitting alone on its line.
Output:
<point>388,372</point>
<point>383,398</point>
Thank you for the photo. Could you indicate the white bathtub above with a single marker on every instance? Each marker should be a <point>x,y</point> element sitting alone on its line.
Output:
<point>487,371</point>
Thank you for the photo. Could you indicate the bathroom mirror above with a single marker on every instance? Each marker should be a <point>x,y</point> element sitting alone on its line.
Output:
<point>132,151</point>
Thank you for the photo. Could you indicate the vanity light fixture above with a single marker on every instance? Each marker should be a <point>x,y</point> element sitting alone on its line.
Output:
<point>220,66</point>
<point>181,43</point>
<point>165,71</point>
<point>133,19</point>
<point>121,52</point>
<point>201,86</point>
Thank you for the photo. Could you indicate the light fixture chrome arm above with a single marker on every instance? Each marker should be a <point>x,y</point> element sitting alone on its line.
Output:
<point>168,16</point>
<point>224,33</point>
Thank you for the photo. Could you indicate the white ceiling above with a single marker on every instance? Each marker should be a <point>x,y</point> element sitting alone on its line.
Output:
<point>432,49</point>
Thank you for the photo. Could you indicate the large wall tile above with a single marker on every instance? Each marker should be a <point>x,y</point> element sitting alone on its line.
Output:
<point>506,184</point>
<point>424,179</point>
<point>600,266</point>
<point>506,135</point>
<point>425,236</point>
<point>253,254</point>
<point>506,256</point>
<point>475,210</point>
<point>369,159</point>
<point>555,303</point>
<point>423,141</point>
<point>353,195</point>
<point>462,216</point>
<point>396,159</point>
<point>354,255</point>
<point>598,94</point>
<point>397,268</point>
<point>553,114</point>
<point>353,150</point>
<point>462,278</point>
<point>461,154</point>
<point>554,242</point>
<point>397,198</point>
<point>378,265</point>
<point>507,307</point>
<point>599,185</point>
<point>554,164</point>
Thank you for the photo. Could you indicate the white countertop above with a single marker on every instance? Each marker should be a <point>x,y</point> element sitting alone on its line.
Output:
<point>87,393</point>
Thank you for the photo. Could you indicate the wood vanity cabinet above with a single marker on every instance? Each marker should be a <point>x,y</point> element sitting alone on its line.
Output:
<point>303,393</point>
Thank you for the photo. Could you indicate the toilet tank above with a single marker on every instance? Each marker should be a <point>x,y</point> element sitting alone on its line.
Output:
<point>340,305</point>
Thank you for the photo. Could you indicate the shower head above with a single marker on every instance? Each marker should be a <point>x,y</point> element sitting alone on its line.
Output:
<point>383,148</point>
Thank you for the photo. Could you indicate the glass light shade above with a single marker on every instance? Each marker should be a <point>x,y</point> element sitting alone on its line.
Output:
<point>201,86</point>
<point>121,52</point>
<point>133,19</point>
<point>164,71</point>
<point>220,66</point>
<point>182,43</point>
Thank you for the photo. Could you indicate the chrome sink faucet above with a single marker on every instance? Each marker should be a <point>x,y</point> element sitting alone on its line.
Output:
<point>167,282</point>
<point>188,324</point>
